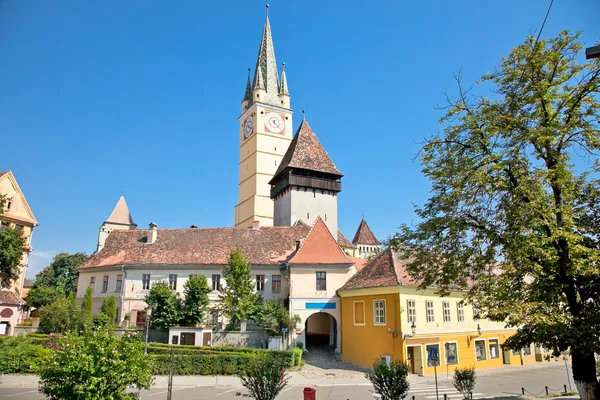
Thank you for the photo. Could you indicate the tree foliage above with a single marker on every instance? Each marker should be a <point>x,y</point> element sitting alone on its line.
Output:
<point>264,378</point>
<point>62,273</point>
<point>58,316</point>
<point>238,297</point>
<point>109,308</point>
<point>389,381</point>
<point>463,380</point>
<point>96,365</point>
<point>86,307</point>
<point>273,315</point>
<point>166,307</point>
<point>509,217</point>
<point>13,246</point>
<point>40,296</point>
<point>195,304</point>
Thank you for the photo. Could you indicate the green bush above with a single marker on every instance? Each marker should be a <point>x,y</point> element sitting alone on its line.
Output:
<point>389,381</point>
<point>96,365</point>
<point>464,380</point>
<point>297,356</point>
<point>20,355</point>
<point>264,378</point>
<point>200,364</point>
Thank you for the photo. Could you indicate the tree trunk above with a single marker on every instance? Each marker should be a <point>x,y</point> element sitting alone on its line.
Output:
<point>584,374</point>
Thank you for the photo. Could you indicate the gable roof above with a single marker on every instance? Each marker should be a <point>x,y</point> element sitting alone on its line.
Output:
<point>9,297</point>
<point>306,152</point>
<point>120,214</point>
<point>320,247</point>
<point>31,218</point>
<point>27,284</point>
<point>384,270</point>
<point>198,246</point>
<point>364,235</point>
<point>343,242</point>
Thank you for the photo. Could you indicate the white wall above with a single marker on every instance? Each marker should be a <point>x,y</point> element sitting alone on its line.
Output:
<point>307,204</point>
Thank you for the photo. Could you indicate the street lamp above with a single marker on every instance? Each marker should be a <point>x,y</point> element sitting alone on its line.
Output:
<point>413,329</point>
<point>148,314</point>
<point>478,330</point>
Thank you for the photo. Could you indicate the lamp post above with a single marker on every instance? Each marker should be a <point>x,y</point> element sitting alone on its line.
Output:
<point>567,368</point>
<point>148,314</point>
<point>478,330</point>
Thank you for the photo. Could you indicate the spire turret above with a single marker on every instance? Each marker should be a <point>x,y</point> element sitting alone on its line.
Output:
<point>266,76</point>
<point>247,94</point>
<point>284,94</point>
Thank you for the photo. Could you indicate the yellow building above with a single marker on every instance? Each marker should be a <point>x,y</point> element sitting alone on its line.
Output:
<point>384,314</point>
<point>16,214</point>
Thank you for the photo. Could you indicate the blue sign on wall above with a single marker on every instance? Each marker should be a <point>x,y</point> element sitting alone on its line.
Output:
<point>433,354</point>
<point>320,306</point>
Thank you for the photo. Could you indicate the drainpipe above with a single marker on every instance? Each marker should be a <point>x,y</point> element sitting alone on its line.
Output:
<point>123,286</point>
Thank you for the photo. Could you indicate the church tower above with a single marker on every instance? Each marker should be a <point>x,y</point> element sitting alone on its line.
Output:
<point>120,218</point>
<point>306,183</point>
<point>265,134</point>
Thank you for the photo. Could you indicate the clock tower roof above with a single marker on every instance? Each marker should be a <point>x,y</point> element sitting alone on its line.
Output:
<point>266,75</point>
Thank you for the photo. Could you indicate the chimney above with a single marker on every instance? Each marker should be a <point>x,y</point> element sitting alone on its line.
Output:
<point>256,225</point>
<point>297,244</point>
<point>152,233</point>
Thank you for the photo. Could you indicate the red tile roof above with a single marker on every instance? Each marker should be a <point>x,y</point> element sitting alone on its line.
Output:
<point>359,263</point>
<point>343,242</point>
<point>27,283</point>
<point>9,297</point>
<point>364,235</point>
<point>320,247</point>
<point>385,270</point>
<point>198,246</point>
<point>306,152</point>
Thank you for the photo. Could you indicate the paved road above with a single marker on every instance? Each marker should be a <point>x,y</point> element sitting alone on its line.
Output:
<point>497,384</point>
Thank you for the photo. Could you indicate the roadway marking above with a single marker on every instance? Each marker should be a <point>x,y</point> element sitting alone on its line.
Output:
<point>174,390</point>
<point>15,394</point>
<point>230,390</point>
<point>455,395</point>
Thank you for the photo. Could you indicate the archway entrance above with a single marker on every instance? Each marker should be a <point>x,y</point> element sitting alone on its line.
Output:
<point>321,331</point>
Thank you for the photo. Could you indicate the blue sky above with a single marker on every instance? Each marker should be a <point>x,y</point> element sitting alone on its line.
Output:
<point>140,96</point>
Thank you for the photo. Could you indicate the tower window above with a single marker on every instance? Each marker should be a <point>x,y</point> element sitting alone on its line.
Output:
<point>325,217</point>
<point>275,162</point>
<point>307,216</point>
<point>257,96</point>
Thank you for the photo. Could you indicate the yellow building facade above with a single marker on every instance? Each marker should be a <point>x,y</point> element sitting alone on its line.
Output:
<point>384,314</point>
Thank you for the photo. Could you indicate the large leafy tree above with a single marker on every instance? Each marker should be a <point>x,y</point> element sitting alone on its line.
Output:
<point>166,307</point>
<point>196,300</point>
<point>62,273</point>
<point>512,217</point>
<point>238,298</point>
<point>273,315</point>
<point>13,246</point>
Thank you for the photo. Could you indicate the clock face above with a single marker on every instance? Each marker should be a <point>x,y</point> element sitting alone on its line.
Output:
<point>274,122</point>
<point>248,127</point>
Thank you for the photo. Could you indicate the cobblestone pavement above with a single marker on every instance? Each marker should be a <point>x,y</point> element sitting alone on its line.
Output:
<point>321,363</point>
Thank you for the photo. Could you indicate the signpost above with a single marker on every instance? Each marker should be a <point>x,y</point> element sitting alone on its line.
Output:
<point>433,356</point>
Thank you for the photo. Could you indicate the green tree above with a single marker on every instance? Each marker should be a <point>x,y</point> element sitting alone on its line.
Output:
<point>238,298</point>
<point>196,301</point>
<point>389,381</point>
<point>86,307</point>
<point>264,378</point>
<point>58,317</point>
<point>166,307</point>
<point>13,246</point>
<point>509,217</point>
<point>40,296</point>
<point>274,315</point>
<point>96,365</point>
<point>109,308</point>
<point>61,273</point>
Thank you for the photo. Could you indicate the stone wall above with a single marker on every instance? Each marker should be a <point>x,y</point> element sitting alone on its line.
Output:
<point>24,330</point>
<point>254,338</point>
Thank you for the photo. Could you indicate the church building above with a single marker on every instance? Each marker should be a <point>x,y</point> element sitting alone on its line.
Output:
<point>285,222</point>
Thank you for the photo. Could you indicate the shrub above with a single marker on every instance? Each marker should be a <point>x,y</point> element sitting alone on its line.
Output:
<point>109,308</point>
<point>264,378</point>
<point>389,381</point>
<point>297,356</point>
<point>57,317</point>
<point>96,365</point>
<point>21,355</point>
<point>464,380</point>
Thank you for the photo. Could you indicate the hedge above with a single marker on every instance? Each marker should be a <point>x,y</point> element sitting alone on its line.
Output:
<point>21,355</point>
<point>200,364</point>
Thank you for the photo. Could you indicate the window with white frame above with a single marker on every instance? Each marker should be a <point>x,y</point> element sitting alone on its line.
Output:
<point>216,282</point>
<point>480,353</point>
<point>411,311</point>
<point>260,283</point>
<point>451,353</point>
<point>145,281</point>
<point>379,312</point>
<point>104,283</point>
<point>460,310</point>
<point>430,312</point>
<point>119,284</point>
<point>173,281</point>
<point>446,305</point>
<point>494,348</point>
<point>92,281</point>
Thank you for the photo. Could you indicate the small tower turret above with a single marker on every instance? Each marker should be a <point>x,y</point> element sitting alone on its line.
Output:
<point>247,94</point>
<point>120,218</point>
<point>284,93</point>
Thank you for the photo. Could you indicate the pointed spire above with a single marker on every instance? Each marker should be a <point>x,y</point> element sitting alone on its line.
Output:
<point>248,92</point>
<point>265,75</point>
<point>364,235</point>
<point>283,86</point>
<point>120,214</point>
